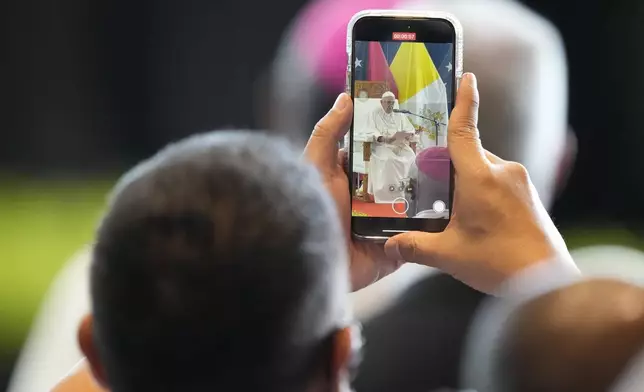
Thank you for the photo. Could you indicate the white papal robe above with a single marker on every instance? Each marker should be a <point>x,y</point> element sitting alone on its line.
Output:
<point>390,162</point>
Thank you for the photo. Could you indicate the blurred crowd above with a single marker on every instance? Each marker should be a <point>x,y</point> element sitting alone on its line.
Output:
<point>92,88</point>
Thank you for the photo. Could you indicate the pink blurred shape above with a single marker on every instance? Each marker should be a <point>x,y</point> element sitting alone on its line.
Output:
<point>434,163</point>
<point>321,34</point>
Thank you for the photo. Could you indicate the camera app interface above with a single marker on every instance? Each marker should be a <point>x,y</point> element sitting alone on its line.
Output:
<point>402,101</point>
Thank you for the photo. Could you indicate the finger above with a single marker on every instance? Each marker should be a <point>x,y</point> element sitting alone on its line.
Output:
<point>322,147</point>
<point>463,135</point>
<point>389,268</point>
<point>422,248</point>
<point>493,158</point>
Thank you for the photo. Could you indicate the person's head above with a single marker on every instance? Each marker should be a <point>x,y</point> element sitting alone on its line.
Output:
<point>217,267</point>
<point>518,57</point>
<point>580,338</point>
<point>387,101</point>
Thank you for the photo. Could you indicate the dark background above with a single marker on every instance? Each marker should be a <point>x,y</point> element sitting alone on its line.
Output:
<point>96,85</point>
<point>603,42</point>
<point>90,87</point>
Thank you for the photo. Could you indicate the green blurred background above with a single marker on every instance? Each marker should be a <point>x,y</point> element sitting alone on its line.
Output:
<point>42,224</point>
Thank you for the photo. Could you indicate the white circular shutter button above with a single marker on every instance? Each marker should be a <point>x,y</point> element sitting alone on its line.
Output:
<point>439,206</point>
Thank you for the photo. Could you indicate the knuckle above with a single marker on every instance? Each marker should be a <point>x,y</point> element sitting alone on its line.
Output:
<point>486,175</point>
<point>518,171</point>
<point>321,128</point>
<point>473,101</point>
<point>463,123</point>
<point>464,129</point>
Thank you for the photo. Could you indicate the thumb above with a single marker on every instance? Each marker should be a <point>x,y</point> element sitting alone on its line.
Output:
<point>418,247</point>
<point>322,147</point>
<point>464,142</point>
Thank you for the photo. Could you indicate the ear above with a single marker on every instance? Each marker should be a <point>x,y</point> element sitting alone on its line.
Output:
<point>341,356</point>
<point>87,346</point>
<point>567,161</point>
<point>347,345</point>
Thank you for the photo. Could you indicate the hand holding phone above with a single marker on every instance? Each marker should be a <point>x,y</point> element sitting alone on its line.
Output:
<point>484,244</point>
<point>501,226</point>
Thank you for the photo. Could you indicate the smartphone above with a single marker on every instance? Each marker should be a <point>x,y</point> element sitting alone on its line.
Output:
<point>403,71</point>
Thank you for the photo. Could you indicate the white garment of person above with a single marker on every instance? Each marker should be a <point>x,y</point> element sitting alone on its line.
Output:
<point>390,162</point>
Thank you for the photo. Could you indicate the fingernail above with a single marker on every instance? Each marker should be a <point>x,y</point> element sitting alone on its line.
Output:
<point>341,102</point>
<point>470,78</point>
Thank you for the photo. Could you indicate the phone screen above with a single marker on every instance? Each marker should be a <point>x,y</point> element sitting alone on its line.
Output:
<point>403,87</point>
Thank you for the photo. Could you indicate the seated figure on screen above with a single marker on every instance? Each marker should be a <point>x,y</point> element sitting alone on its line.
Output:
<point>392,153</point>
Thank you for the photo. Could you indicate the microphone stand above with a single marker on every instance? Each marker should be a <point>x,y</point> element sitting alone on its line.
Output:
<point>435,122</point>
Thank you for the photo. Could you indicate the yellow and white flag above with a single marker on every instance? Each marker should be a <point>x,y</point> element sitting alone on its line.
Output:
<point>421,91</point>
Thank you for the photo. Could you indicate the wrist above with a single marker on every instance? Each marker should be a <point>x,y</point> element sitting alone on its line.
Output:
<point>540,276</point>
<point>538,244</point>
